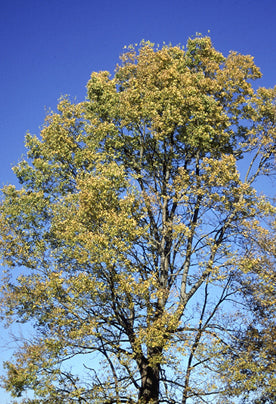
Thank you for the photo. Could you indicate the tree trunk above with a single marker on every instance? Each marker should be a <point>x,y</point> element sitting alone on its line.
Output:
<point>149,391</point>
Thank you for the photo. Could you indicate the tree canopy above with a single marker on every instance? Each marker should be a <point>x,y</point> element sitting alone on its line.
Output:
<point>138,246</point>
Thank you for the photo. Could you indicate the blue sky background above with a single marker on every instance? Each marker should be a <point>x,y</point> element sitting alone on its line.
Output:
<point>50,47</point>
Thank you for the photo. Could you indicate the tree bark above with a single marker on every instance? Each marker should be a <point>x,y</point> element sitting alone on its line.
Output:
<point>150,379</point>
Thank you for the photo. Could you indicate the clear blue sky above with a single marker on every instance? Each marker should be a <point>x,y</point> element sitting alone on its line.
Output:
<point>50,47</point>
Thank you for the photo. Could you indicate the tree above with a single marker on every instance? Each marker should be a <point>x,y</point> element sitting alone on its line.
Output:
<point>133,233</point>
<point>252,351</point>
